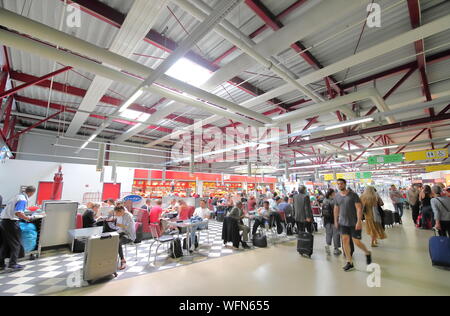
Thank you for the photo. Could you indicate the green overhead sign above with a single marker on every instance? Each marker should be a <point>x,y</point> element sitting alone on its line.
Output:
<point>374,160</point>
<point>364,175</point>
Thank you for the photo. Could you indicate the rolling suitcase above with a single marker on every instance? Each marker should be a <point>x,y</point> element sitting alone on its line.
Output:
<point>440,251</point>
<point>101,257</point>
<point>305,244</point>
<point>397,219</point>
<point>388,218</point>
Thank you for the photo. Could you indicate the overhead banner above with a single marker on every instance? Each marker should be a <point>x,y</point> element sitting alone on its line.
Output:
<point>437,168</point>
<point>427,155</point>
<point>348,176</point>
<point>373,160</point>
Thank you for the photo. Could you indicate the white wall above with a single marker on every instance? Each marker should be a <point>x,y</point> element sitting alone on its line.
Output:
<point>78,179</point>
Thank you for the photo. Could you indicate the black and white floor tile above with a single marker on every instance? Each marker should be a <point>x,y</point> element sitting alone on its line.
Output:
<point>54,270</point>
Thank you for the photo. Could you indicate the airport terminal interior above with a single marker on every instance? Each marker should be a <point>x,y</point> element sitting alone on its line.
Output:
<point>224,148</point>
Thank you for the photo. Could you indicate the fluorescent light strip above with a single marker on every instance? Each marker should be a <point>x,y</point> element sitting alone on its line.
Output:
<point>381,148</point>
<point>369,119</point>
<point>130,101</point>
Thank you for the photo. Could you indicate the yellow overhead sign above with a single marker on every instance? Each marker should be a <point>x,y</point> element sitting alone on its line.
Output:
<point>437,168</point>
<point>328,177</point>
<point>427,155</point>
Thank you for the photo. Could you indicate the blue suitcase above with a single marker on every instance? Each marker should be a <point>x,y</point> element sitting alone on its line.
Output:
<point>440,251</point>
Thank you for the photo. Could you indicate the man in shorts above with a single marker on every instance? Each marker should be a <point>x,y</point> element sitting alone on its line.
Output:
<point>348,218</point>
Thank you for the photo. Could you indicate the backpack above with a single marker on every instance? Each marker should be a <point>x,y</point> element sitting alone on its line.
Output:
<point>175,250</point>
<point>327,210</point>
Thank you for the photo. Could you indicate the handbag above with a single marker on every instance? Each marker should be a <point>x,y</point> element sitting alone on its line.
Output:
<point>110,226</point>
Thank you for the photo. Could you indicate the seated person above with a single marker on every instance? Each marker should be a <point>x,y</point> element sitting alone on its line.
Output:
<point>238,213</point>
<point>91,215</point>
<point>204,213</point>
<point>125,226</point>
<point>173,206</point>
<point>148,205</point>
<point>263,218</point>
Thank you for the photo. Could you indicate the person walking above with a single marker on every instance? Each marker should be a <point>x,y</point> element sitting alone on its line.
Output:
<point>441,209</point>
<point>370,203</point>
<point>425,197</point>
<point>413,200</point>
<point>332,233</point>
<point>302,210</point>
<point>397,199</point>
<point>348,217</point>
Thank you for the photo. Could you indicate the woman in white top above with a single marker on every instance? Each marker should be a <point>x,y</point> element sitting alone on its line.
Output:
<point>125,226</point>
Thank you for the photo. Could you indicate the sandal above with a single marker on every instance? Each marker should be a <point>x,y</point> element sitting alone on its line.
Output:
<point>123,266</point>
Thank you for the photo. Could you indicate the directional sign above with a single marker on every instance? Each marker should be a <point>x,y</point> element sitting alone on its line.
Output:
<point>373,160</point>
<point>437,168</point>
<point>427,154</point>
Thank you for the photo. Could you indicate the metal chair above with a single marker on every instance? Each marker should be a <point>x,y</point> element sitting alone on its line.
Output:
<point>159,239</point>
<point>134,243</point>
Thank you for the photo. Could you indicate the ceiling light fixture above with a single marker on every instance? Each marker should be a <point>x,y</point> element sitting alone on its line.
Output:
<point>130,101</point>
<point>381,148</point>
<point>369,119</point>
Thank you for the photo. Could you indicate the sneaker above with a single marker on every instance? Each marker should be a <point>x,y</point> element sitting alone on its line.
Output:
<point>369,258</point>
<point>337,252</point>
<point>245,246</point>
<point>17,267</point>
<point>349,267</point>
<point>327,250</point>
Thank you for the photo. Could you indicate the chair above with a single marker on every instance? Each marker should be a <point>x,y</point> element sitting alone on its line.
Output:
<point>159,239</point>
<point>183,215</point>
<point>79,223</point>
<point>143,217</point>
<point>135,243</point>
<point>191,211</point>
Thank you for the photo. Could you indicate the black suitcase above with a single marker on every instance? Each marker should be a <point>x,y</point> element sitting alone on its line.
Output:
<point>289,230</point>
<point>305,244</point>
<point>259,240</point>
<point>388,218</point>
<point>397,219</point>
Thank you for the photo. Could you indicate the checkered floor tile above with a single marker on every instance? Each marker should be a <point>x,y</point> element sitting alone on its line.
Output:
<point>52,272</point>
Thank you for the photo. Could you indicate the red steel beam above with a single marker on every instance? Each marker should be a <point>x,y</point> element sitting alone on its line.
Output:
<point>375,129</point>
<point>412,139</point>
<point>260,30</point>
<point>33,82</point>
<point>394,88</point>
<point>3,80</point>
<point>105,99</point>
<point>7,120</point>
<point>444,55</point>
<point>271,20</point>
<point>34,125</point>
<point>414,14</point>
<point>116,18</point>
<point>63,108</point>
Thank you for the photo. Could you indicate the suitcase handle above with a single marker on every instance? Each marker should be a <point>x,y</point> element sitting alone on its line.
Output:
<point>106,237</point>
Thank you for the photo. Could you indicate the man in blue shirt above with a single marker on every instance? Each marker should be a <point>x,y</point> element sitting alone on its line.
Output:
<point>10,230</point>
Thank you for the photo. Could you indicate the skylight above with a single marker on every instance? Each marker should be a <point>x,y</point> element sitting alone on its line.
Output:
<point>135,115</point>
<point>189,72</point>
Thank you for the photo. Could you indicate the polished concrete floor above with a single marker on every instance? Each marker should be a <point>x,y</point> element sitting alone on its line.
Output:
<point>279,270</point>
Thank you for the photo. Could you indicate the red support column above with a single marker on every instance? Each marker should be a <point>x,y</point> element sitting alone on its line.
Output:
<point>33,82</point>
<point>7,121</point>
